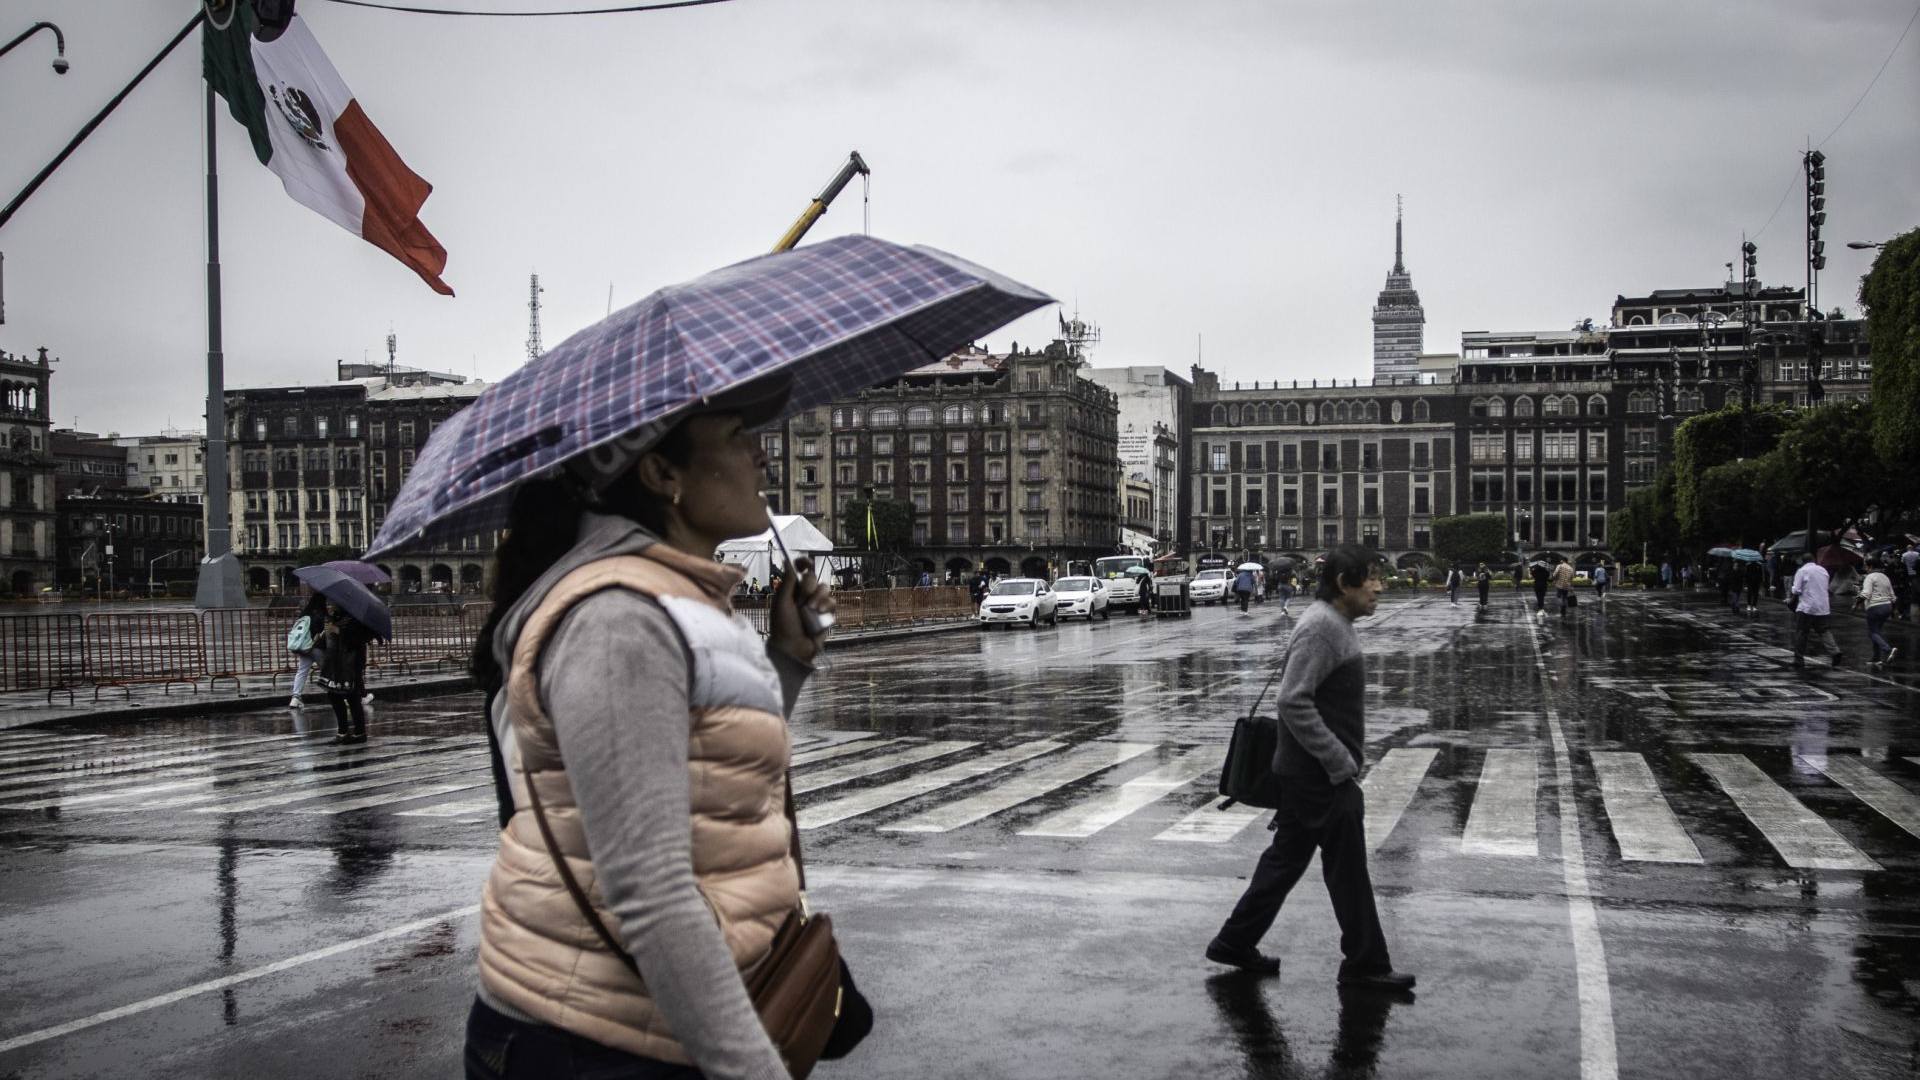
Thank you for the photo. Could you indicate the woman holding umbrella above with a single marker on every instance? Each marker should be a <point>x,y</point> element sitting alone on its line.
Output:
<point>648,856</point>
<point>343,672</point>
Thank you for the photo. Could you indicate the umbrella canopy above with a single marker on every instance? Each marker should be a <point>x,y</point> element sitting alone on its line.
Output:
<point>1836,556</point>
<point>1746,555</point>
<point>838,316</point>
<point>1719,552</point>
<point>365,573</point>
<point>354,598</point>
<point>1139,571</point>
<point>1249,566</point>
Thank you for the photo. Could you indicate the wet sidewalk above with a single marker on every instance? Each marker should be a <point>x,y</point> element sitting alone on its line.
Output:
<point>141,700</point>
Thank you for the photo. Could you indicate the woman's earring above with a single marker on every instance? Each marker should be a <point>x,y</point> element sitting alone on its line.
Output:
<point>676,498</point>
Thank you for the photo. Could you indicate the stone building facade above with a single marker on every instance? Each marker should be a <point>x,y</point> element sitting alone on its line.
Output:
<point>1010,461</point>
<point>319,465</point>
<point>1154,426</point>
<point>1293,470</point>
<point>128,538</point>
<point>27,527</point>
<point>172,465</point>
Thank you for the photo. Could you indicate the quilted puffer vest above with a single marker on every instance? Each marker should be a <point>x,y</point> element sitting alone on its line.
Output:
<point>537,952</point>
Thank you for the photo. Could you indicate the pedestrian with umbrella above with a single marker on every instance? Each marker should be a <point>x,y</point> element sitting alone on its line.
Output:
<point>354,618</point>
<point>1540,578</point>
<point>1243,583</point>
<point>1483,579</point>
<point>303,642</point>
<point>1753,575</point>
<point>637,722</point>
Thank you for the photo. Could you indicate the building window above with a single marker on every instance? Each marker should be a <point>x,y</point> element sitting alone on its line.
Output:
<point>1370,535</point>
<point>809,503</point>
<point>1597,486</point>
<point>1033,440</point>
<point>1421,502</point>
<point>843,472</point>
<point>956,500</point>
<point>996,470</point>
<point>1420,410</point>
<point>957,414</point>
<point>1370,500</point>
<point>1330,501</point>
<point>1596,406</point>
<point>846,445</point>
<point>1329,459</point>
<point>920,444</point>
<point>1523,447</point>
<point>996,442</point>
<point>1220,502</point>
<point>809,448</point>
<point>882,444</point>
<point>1489,487</point>
<point>320,427</point>
<point>1420,452</point>
<point>1033,470</point>
<point>1523,407</point>
<point>885,416</point>
<point>1217,459</point>
<point>406,433</point>
<point>883,472</point>
<point>260,430</point>
<point>1422,536</point>
<point>1560,485</point>
<point>1488,449</point>
<point>919,416</point>
<point>996,499</point>
<point>1289,501</point>
<point>957,530</point>
<point>1253,501</point>
<point>1550,406</point>
<point>1496,407</point>
<point>1289,458</point>
<point>1330,535</point>
<point>957,471</point>
<point>957,443</point>
<point>1596,446</point>
<point>1253,458</point>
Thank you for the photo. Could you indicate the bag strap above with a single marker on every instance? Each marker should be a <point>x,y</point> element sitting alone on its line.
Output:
<point>1254,709</point>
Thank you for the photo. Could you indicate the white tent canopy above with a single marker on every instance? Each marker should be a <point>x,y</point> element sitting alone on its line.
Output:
<point>759,555</point>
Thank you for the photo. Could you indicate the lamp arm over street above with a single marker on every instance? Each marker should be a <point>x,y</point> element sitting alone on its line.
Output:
<point>60,64</point>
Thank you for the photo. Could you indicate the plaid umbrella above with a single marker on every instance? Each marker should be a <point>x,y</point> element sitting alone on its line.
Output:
<point>839,316</point>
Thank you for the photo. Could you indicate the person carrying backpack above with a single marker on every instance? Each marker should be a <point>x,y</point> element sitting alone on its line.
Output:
<point>1483,578</point>
<point>302,641</point>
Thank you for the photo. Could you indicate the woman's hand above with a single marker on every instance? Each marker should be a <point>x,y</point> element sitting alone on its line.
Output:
<point>786,631</point>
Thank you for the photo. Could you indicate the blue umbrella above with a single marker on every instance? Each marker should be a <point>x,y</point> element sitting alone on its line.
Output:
<point>838,316</point>
<point>354,598</point>
<point>1746,555</point>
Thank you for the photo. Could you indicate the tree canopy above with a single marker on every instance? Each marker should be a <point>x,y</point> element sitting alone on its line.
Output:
<point>1647,522</point>
<point>1712,439</point>
<point>1471,538</point>
<point>1890,293</point>
<point>892,524</point>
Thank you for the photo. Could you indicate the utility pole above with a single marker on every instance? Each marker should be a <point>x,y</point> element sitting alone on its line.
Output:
<point>219,585</point>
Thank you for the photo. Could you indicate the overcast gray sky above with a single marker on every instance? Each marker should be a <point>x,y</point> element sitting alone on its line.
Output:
<point>1174,168</point>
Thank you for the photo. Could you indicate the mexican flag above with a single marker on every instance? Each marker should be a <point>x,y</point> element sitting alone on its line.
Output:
<point>307,127</point>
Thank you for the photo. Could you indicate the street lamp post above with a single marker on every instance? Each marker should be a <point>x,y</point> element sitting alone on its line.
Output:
<point>60,64</point>
<point>1866,245</point>
<point>151,563</point>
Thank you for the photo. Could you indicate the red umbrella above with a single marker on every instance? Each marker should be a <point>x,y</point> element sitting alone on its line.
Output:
<point>1837,556</point>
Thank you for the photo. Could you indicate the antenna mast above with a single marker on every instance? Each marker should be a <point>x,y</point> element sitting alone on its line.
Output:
<point>534,348</point>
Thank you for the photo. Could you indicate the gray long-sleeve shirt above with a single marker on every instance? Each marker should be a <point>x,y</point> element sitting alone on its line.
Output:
<point>614,680</point>
<point>1323,699</point>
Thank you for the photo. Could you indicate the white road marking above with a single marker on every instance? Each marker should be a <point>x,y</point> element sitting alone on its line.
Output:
<point>1504,820</point>
<point>456,809</point>
<point>286,770</point>
<point>1894,802</point>
<point>840,774</point>
<point>273,779</point>
<point>363,782</point>
<point>840,748</point>
<point>123,766</point>
<point>138,1007</point>
<point>1599,1050</point>
<point>1801,837</point>
<point>1077,764</point>
<point>1643,823</point>
<point>482,776</point>
<point>873,798</point>
<point>1092,815</point>
<point>1389,788</point>
<point>1208,825</point>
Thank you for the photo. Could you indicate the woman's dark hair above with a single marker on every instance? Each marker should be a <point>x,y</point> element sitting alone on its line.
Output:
<point>544,524</point>
<point>315,606</point>
<point>1348,566</point>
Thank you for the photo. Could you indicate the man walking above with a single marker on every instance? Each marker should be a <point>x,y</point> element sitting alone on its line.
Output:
<point>1453,585</point>
<point>1601,581</point>
<point>1813,612</point>
<point>1540,578</point>
<point>1483,578</point>
<point>1323,727</point>
<point>1562,582</point>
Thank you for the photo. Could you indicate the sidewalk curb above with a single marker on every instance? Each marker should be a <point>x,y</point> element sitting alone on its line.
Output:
<point>206,704</point>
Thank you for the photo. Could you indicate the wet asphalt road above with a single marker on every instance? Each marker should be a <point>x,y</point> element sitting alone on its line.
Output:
<point>1634,838</point>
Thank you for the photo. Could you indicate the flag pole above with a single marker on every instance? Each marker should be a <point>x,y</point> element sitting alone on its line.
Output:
<point>219,585</point>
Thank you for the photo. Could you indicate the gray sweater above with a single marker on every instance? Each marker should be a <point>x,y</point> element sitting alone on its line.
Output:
<point>614,680</point>
<point>1323,701</point>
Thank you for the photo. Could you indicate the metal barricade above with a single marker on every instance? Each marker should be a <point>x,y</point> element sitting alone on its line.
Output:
<point>430,637</point>
<point>43,652</point>
<point>246,641</point>
<point>149,647</point>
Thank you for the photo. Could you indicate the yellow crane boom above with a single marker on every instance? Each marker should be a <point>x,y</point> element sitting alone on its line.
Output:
<point>821,201</point>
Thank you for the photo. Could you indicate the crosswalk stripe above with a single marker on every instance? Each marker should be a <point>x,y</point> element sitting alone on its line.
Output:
<point>267,780</point>
<point>1503,819</point>
<point>1210,826</point>
<point>176,755</point>
<point>407,795</point>
<point>1390,786</point>
<point>1095,814</point>
<point>1077,764</point>
<point>283,769</point>
<point>840,774</point>
<point>488,806</point>
<point>44,738</point>
<point>841,748</point>
<point>87,781</point>
<point>867,800</point>
<point>1894,802</point>
<point>384,778</point>
<point>1643,823</point>
<point>1801,837</point>
<point>1914,760</point>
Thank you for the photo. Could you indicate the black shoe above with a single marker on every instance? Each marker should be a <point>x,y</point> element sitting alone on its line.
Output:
<point>1245,959</point>
<point>342,739</point>
<point>1378,980</point>
<point>357,737</point>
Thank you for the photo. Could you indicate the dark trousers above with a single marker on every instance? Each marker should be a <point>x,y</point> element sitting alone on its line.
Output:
<point>502,1048</point>
<point>1245,599</point>
<point>345,703</point>
<point>1540,596</point>
<point>1484,586</point>
<point>1807,626</point>
<point>1332,822</point>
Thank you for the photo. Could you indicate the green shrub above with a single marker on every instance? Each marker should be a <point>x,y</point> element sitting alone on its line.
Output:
<point>1644,575</point>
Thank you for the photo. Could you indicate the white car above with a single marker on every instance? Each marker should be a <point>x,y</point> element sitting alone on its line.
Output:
<point>1209,586</point>
<point>1019,600</point>
<point>1082,598</point>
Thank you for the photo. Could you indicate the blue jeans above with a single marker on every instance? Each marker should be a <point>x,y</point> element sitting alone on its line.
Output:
<point>1877,617</point>
<point>502,1048</point>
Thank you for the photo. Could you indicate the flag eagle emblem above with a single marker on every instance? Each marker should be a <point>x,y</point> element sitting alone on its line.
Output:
<point>298,108</point>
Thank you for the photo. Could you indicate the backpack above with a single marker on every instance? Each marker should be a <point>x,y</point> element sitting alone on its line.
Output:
<point>300,637</point>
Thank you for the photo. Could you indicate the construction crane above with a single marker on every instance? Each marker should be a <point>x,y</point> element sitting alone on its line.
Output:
<point>822,201</point>
<point>534,348</point>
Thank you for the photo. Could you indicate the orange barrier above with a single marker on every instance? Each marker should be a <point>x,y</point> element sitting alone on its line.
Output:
<point>246,641</point>
<point>42,652</point>
<point>162,647</point>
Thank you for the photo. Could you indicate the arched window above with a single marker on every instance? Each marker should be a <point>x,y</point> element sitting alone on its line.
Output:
<point>1637,320</point>
<point>1675,318</point>
<point>1219,416</point>
<point>1340,412</point>
<point>1373,411</point>
<point>1596,406</point>
<point>919,416</point>
<point>886,416</point>
<point>1497,406</point>
<point>1266,414</point>
<point>1569,405</point>
<point>957,414</point>
<point>1477,407</point>
<point>1523,406</point>
<point>1420,410</point>
<point>1293,412</point>
<point>1550,406</point>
